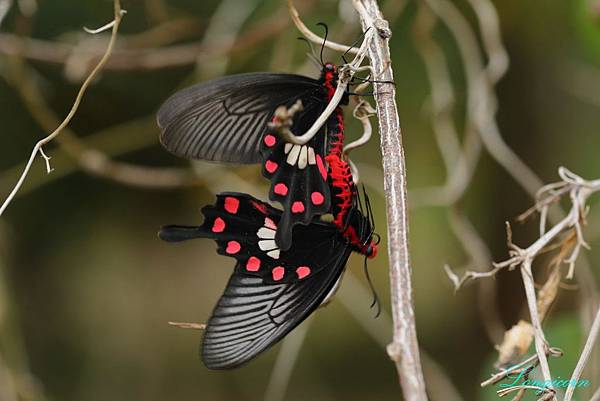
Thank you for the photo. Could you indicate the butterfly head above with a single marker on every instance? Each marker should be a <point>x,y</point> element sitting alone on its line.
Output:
<point>329,67</point>
<point>372,249</point>
<point>329,74</point>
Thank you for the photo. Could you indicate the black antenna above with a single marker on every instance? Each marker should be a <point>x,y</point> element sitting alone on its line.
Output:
<point>372,287</point>
<point>324,40</point>
<point>373,81</point>
<point>369,208</point>
<point>362,35</point>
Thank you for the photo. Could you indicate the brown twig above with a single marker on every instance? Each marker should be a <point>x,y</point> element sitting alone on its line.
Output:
<point>585,356</point>
<point>404,350</point>
<point>118,15</point>
<point>187,325</point>
<point>140,59</point>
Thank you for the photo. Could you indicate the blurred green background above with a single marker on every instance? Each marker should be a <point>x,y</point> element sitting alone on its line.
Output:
<point>87,289</point>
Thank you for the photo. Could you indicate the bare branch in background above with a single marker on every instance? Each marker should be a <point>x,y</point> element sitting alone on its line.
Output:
<point>585,356</point>
<point>222,32</point>
<point>286,360</point>
<point>157,10</point>
<point>5,6</point>
<point>355,298</point>
<point>147,58</point>
<point>482,101</point>
<point>38,146</point>
<point>404,350</point>
<point>579,190</point>
<point>308,34</point>
<point>460,164</point>
<point>596,396</point>
<point>187,325</point>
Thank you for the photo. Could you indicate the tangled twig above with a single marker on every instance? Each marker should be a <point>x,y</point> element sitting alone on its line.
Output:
<point>118,15</point>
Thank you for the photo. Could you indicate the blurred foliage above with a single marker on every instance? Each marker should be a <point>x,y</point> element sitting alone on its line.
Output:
<point>89,287</point>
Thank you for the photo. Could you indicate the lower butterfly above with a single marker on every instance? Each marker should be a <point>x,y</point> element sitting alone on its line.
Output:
<point>270,291</point>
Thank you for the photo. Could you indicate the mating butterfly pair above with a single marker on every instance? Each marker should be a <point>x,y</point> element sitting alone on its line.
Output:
<point>289,261</point>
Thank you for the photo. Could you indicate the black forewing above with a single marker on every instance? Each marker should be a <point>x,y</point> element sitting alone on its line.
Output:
<point>225,119</point>
<point>253,315</point>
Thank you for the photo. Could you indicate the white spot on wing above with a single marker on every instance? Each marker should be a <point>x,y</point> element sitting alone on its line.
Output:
<point>270,224</point>
<point>303,158</point>
<point>267,245</point>
<point>274,254</point>
<point>266,236</point>
<point>311,156</point>
<point>287,148</point>
<point>293,155</point>
<point>265,232</point>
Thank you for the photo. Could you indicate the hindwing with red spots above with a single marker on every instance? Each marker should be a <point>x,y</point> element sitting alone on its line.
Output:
<point>245,228</point>
<point>270,291</point>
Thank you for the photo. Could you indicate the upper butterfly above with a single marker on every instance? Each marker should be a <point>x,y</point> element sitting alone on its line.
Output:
<point>226,120</point>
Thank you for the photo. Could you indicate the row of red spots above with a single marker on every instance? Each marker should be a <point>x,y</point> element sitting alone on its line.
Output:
<point>253,264</point>
<point>232,204</point>
<point>218,225</point>
<point>280,189</point>
<point>317,198</point>
<point>297,207</point>
<point>279,271</point>
<point>233,247</point>
<point>271,166</point>
<point>270,140</point>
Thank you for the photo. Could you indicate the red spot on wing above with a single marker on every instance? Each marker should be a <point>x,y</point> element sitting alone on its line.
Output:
<point>253,264</point>
<point>218,225</point>
<point>271,166</point>
<point>270,140</point>
<point>321,167</point>
<point>232,205</point>
<point>233,247</point>
<point>281,189</point>
<point>297,207</point>
<point>270,224</point>
<point>317,198</point>
<point>261,207</point>
<point>278,273</point>
<point>303,271</point>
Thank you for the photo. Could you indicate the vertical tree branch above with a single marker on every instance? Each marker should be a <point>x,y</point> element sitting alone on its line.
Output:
<point>404,349</point>
<point>584,358</point>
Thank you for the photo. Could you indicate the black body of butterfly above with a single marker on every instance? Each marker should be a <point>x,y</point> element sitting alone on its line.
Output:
<point>226,120</point>
<point>271,291</point>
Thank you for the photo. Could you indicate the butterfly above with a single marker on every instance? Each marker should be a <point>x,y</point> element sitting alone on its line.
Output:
<point>227,120</point>
<point>271,290</point>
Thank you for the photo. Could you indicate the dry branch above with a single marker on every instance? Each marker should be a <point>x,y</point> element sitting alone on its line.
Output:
<point>404,350</point>
<point>118,15</point>
<point>579,190</point>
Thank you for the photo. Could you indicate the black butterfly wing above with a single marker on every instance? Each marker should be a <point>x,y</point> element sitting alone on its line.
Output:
<point>245,228</point>
<point>253,315</point>
<point>225,119</point>
<point>298,174</point>
<point>270,291</point>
